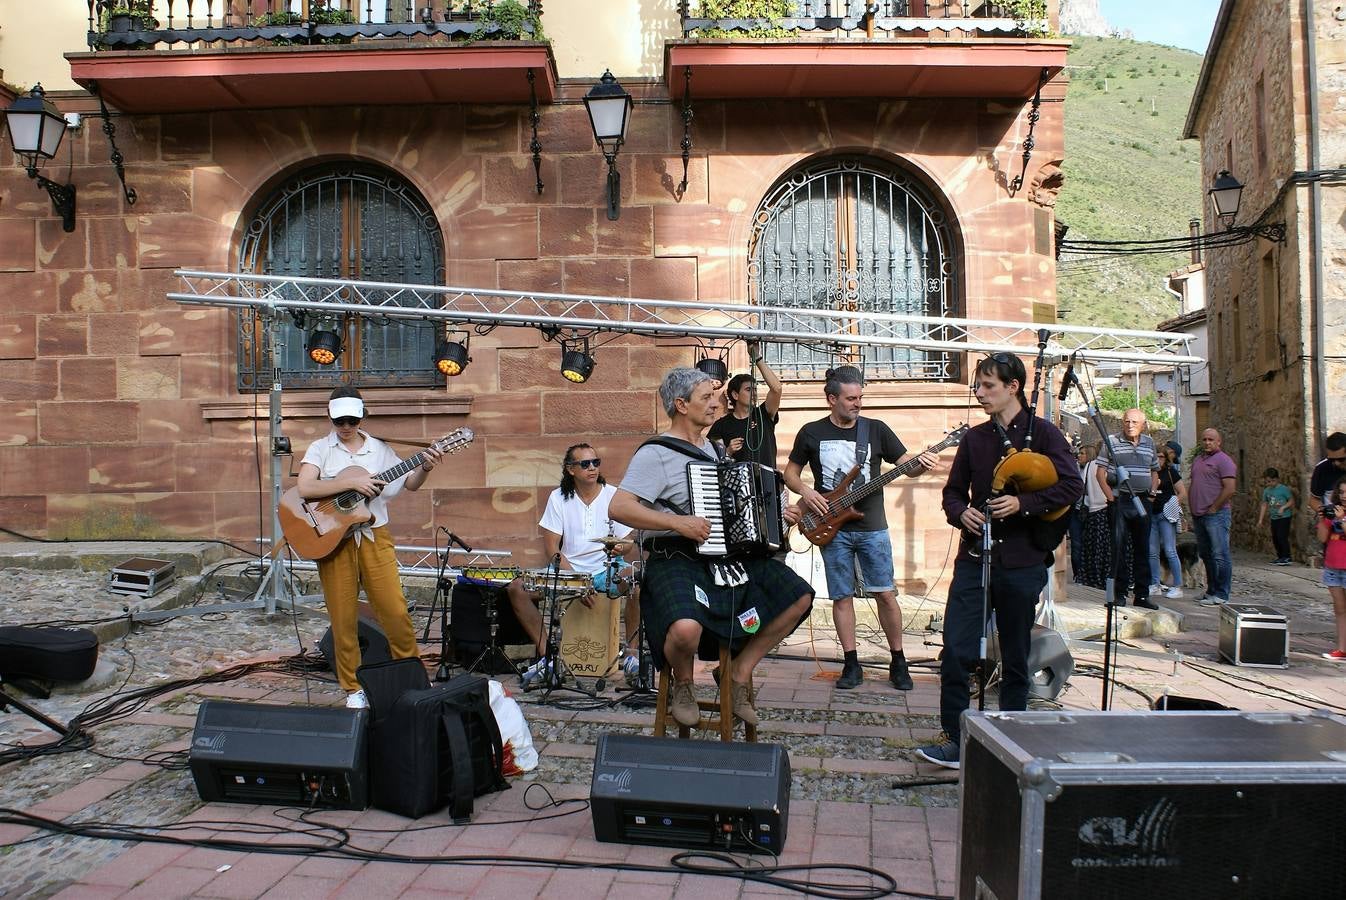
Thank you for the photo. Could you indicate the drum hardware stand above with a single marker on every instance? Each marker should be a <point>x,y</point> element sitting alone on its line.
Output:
<point>554,679</point>
<point>492,651</point>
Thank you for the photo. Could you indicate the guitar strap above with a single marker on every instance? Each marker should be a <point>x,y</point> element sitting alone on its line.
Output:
<point>862,445</point>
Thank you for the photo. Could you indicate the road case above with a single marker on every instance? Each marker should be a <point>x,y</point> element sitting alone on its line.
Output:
<point>1152,805</point>
<point>1254,636</point>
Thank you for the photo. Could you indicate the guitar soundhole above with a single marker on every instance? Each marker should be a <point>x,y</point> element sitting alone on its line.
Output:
<point>348,501</point>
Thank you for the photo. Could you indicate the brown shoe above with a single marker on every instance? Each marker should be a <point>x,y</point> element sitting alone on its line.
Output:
<point>742,699</point>
<point>682,704</point>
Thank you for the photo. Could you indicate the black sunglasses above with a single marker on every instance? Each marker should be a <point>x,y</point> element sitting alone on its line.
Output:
<point>346,422</point>
<point>587,463</point>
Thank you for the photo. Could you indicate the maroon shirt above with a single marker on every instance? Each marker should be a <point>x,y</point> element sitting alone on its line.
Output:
<point>973,467</point>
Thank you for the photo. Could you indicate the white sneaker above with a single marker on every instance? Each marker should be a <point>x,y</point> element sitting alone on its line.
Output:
<point>1211,600</point>
<point>1156,589</point>
<point>357,700</point>
<point>1173,593</point>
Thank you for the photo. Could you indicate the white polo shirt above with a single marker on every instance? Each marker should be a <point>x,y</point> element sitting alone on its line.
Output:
<point>579,523</point>
<point>374,456</point>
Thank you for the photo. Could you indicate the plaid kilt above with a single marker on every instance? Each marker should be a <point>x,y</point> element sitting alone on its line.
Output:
<point>669,593</point>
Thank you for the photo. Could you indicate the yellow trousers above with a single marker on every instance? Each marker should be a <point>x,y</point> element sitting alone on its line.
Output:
<point>373,566</point>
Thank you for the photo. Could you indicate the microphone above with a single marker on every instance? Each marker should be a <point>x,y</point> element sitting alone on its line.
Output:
<point>1066,379</point>
<point>556,562</point>
<point>455,539</point>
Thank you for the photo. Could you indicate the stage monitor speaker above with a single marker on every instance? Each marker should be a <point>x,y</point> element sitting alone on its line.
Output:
<point>470,609</point>
<point>373,642</point>
<point>1050,663</point>
<point>282,755</point>
<point>694,794</point>
<point>1184,805</point>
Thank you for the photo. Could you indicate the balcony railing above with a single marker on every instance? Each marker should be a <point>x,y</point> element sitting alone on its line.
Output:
<point>281,22</point>
<point>865,17</point>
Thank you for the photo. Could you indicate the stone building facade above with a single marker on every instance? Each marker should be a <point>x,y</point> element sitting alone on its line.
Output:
<point>123,410</point>
<point>1269,109</point>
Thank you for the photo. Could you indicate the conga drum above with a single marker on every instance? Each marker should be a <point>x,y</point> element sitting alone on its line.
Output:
<point>590,637</point>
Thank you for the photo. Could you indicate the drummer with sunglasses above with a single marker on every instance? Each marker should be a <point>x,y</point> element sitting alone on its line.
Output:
<point>575,518</point>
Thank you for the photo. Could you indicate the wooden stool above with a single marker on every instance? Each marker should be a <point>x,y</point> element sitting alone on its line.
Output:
<point>722,709</point>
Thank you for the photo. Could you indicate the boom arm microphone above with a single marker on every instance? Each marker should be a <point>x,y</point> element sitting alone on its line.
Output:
<point>455,539</point>
<point>1066,379</point>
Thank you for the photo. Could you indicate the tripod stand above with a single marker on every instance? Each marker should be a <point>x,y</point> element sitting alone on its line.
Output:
<point>7,700</point>
<point>441,601</point>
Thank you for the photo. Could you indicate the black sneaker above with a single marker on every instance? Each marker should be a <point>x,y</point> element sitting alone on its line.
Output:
<point>1145,604</point>
<point>851,676</point>
<point>944,752</point>
<point>898,676</point>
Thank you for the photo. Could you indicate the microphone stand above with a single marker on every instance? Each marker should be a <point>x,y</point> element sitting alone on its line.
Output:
<point>642,693</point>
<point>1124,493</point>
<point>983,663</point>
<point>441,601</point>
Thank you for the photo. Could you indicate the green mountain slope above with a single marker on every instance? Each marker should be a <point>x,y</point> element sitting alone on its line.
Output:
<point>1129,176</point>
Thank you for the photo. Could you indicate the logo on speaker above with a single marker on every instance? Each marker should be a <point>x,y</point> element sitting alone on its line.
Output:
<point>1113,842</point>
<point>621,781</point>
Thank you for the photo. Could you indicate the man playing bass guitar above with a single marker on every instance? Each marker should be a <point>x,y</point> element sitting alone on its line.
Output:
<point>364,558</point>
<point>1019,555</point>
<point>829,446</point>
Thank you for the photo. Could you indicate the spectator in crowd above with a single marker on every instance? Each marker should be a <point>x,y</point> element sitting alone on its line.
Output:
<point>1278,502</point>
<point>1097,538</point>
<point>1332,532</point>
<point>1077,513</point>
<point>1212,487</point>
<point>1164,521</point>
<point>1133,451</point>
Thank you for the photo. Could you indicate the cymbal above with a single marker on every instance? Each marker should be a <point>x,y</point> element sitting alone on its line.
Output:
<point>609,542</point>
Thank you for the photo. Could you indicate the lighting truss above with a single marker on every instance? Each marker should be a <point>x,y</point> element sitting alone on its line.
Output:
<point>668,319</point>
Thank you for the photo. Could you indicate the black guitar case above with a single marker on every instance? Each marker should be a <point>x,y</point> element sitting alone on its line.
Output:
<point>47,654</point>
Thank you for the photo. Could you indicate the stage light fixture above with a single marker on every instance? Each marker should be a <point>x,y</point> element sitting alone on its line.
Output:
<point>324,346</point>
<point>577,364</point>
<point>451,358</point>
<point>715,367</point>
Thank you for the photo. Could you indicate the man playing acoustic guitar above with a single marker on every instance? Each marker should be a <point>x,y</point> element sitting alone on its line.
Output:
<point>347,459</point>
<point>829,447</point>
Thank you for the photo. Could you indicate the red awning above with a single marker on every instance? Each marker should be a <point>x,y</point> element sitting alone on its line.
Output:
<point>171,81</point>
<point>979,67</point>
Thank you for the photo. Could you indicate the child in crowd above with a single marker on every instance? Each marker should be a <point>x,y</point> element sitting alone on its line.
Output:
<point>1332,532</point>
<point>1279,503</point>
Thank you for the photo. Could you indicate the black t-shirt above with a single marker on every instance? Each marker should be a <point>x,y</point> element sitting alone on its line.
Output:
<point>1169,476</point>
<point>728,427</point>
<point>1325,474</point>
<point>829,452</point>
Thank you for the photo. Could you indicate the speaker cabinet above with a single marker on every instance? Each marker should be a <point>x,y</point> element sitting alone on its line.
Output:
<point>1156,805</point>
<point>373,642</point>
<point>695,794</point>
<point>283,755</point>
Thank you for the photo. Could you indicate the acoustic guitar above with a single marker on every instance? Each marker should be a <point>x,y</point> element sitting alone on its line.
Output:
<point>841,500</point>
<point>315,527</point>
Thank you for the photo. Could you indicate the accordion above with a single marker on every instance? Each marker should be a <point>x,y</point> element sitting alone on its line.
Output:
<point>743,502</point>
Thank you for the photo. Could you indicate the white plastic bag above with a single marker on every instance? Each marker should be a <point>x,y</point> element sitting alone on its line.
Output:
<point>514,733</point>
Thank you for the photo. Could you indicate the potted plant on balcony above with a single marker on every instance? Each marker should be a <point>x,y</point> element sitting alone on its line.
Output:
<point>124,16</point>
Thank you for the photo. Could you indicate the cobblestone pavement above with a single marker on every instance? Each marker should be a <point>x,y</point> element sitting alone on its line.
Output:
<point>847,748</point>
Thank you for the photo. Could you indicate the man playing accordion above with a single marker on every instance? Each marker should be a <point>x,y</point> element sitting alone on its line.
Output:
<point>690,603</point>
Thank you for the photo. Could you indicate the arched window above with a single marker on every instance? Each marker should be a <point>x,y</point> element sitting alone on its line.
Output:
<point>854,233</point>
<point>348,221</point>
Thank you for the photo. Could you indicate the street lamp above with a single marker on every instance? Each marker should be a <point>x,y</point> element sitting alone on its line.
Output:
<point>609,108</point>
<point>1225,195</point>
<point>35,131</point>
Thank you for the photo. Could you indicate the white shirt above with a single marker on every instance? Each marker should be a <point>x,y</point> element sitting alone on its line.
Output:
<point>578,523</point>
<point>374,456</point>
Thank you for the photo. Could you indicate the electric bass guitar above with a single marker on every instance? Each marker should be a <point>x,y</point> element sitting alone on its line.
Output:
<point>315,527</point>
<point>841,500</point>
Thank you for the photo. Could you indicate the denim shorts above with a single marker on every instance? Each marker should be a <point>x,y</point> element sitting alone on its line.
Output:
<point>874,552</point>
<point>1334,577</point>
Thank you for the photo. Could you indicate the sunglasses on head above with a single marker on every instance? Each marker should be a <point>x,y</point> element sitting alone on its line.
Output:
<point>587,463</point>
<point>1002,358</point>
<point>346,422</point>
